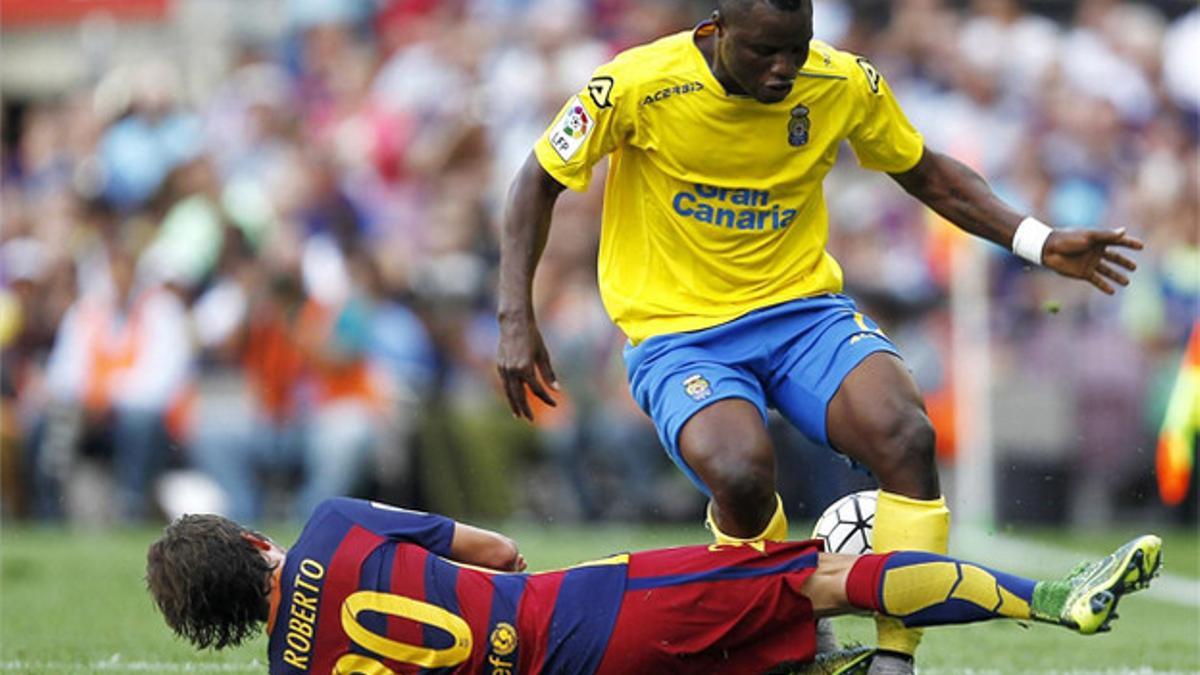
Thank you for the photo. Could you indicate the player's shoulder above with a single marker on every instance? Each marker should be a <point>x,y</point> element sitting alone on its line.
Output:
<point>344,507</point>
<point>646,65</point>
<point>825,60</point>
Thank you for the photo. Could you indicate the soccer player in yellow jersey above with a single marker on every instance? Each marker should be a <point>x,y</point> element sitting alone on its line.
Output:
<point>713,262</point>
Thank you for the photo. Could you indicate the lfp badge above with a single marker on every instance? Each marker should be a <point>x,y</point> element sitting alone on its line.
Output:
<point>571,129</point>
<point>577,122</point>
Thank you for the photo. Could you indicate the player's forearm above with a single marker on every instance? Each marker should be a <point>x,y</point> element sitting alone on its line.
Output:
<point>961,196</point>
<point>523,237</point>
<point>484,548</point>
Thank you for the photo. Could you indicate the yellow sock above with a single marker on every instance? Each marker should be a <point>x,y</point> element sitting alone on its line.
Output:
<point>776,529</point>
<point>903,523</point>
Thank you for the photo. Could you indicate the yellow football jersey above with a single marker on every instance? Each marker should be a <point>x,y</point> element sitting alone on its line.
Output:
<point>714,206</point>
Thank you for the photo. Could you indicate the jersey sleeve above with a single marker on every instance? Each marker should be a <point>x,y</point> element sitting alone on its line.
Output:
<point>427,530</point>
<point>589,126</point>
<point>883,139</point>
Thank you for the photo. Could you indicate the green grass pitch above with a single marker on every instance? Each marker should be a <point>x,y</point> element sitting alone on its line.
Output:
<point>75,602</point>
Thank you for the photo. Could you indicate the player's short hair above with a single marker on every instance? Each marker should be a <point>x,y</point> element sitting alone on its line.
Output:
<point>211,585</point>
<point>729,7</point>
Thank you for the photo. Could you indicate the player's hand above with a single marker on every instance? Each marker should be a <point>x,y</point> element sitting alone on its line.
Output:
<point>512,560</point>
<point>523,362</point>
<point>1090,255</point>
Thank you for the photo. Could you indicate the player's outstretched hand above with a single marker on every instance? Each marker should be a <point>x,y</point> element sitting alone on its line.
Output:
<point>523,362</point>
<point>1090,255</point>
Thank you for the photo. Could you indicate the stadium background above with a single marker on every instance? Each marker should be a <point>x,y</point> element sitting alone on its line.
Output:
<point>307,192</point>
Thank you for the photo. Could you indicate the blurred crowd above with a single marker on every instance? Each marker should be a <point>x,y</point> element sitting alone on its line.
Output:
<point>280,287</point>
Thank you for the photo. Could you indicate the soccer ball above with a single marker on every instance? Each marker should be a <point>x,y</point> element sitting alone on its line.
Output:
<point>846,525</point>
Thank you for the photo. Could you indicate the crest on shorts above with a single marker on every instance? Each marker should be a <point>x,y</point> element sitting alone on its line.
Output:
<point>798,125</point>
<point>697,387</point>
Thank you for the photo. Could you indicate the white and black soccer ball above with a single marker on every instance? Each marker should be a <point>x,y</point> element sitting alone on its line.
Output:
<point>847,524</point>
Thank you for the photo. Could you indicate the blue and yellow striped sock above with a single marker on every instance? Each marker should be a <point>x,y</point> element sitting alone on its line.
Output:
<point>907,524</point>
<point>926,589</point>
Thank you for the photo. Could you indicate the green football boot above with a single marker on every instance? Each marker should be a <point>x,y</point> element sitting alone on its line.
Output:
<point>1086,600</point>
<point>854,660</point>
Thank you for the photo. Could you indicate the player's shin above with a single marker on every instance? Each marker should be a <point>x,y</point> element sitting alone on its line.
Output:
<point>903,523</point>
<point>776,529</point>
<point>926,589</point>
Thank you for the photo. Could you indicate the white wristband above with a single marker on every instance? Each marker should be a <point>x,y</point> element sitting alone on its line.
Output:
<point>1030,238</point>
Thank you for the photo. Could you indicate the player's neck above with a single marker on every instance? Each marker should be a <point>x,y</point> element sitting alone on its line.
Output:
<point>706,42</point>
<point>273,596</point>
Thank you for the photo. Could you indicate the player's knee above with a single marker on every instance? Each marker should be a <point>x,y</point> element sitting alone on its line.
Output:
<point>907,456</point>
<point>918,439</point>
<point>731,458</point>
<point>743,487</point>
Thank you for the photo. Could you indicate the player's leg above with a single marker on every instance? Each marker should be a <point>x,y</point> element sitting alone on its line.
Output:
<point>727,445</point>
<point>843,384</point>
<point>926,589</point>
<point>877,418</point>
<point>710,412</point>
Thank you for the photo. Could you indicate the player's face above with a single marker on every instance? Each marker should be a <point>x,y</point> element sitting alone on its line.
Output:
<point>760,49</point>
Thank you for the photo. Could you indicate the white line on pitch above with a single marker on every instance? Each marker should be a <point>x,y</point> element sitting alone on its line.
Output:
<point>1007,552</point>
<point>119,666</point>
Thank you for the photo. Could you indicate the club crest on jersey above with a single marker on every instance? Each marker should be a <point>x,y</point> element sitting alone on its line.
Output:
<point>572,128</point>
<point>501,645</point>
<point>798,125</point>
<point>697,387</point>
<point>503,639</point>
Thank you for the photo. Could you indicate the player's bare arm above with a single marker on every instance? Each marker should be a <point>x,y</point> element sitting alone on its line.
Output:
<point>964,198</point>
<point>522,359</point>
<point>484,548</point>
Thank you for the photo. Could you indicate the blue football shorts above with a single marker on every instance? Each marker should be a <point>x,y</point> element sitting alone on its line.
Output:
<point>791,357</point>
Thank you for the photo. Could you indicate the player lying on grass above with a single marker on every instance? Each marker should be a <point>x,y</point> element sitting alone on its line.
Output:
<point>370,588</point>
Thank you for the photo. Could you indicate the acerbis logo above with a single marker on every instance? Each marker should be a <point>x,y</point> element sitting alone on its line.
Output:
<point>668,92</point>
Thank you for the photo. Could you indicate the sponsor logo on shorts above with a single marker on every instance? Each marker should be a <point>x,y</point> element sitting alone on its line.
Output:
<point>865,329</point>
<point>697,387</point>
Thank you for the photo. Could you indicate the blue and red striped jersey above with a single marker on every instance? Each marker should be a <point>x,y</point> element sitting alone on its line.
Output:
<point>368,588</point>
